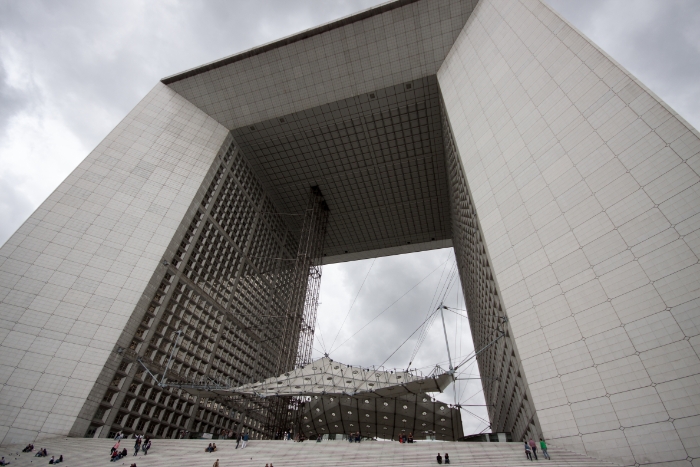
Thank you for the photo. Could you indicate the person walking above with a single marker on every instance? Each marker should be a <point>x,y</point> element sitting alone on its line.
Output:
<point>245,440</point>
<point>543,447</point>
<point>533,446</point>
<point>216,464</point>
<point>137,445</point>
<point>528,451</point>
<point>238,440</point>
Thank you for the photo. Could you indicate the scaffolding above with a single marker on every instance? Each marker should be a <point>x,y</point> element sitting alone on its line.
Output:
<point>301,307</point>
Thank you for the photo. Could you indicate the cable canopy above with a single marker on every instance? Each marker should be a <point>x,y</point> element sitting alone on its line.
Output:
<point>325,376</point>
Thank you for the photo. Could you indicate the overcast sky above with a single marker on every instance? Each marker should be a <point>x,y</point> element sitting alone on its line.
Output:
<point>71,70</point>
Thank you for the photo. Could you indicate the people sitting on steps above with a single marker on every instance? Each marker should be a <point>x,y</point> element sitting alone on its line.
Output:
<point>3,461</point>
<point>439,458</point>
<point>447,458</point>
<point>41,453</point>
<point>29,448</point>
<point>208,448</point>
<point>117,455</point>
<point>56,461</point>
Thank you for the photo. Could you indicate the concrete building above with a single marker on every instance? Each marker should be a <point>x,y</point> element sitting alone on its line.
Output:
<point>568,190</point>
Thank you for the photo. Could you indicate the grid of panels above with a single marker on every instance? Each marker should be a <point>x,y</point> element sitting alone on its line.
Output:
<point>378,159</point>
<point>387,418</point>
<point>510,409</point>
<point>220,290</point>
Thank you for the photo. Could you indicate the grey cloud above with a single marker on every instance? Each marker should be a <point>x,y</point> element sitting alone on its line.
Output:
<point>15,207</point>
<point>11,100</point>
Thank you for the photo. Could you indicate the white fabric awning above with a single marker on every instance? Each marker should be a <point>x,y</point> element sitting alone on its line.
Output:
<point>325,376</point>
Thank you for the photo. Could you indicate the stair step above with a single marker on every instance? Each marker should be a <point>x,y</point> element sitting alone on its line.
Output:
<point>80,452</point>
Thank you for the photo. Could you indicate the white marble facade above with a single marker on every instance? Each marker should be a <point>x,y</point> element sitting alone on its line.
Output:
<point>71,276</point>
<point>586,186</point>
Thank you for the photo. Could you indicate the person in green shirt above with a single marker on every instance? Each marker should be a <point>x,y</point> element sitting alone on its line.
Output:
<point>543,447</point>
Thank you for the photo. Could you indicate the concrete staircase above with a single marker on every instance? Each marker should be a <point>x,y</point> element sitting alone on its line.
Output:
<point>78,452</point>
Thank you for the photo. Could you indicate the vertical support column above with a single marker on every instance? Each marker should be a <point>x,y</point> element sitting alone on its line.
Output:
<point>302,305</point>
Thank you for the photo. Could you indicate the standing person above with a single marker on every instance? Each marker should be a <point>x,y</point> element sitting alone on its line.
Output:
<point>533,446</point>
<point>238,440</point>
<point>137,445</point>
<point>245,440</point>
<point>118,436</point>
<point>146,446</point>
<point>543,446</point>
<point>528,451</point>
<point>439,458</point>
<point>216,464</point>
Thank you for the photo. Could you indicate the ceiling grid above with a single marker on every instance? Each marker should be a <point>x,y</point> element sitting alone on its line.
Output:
<point>377,158</point>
